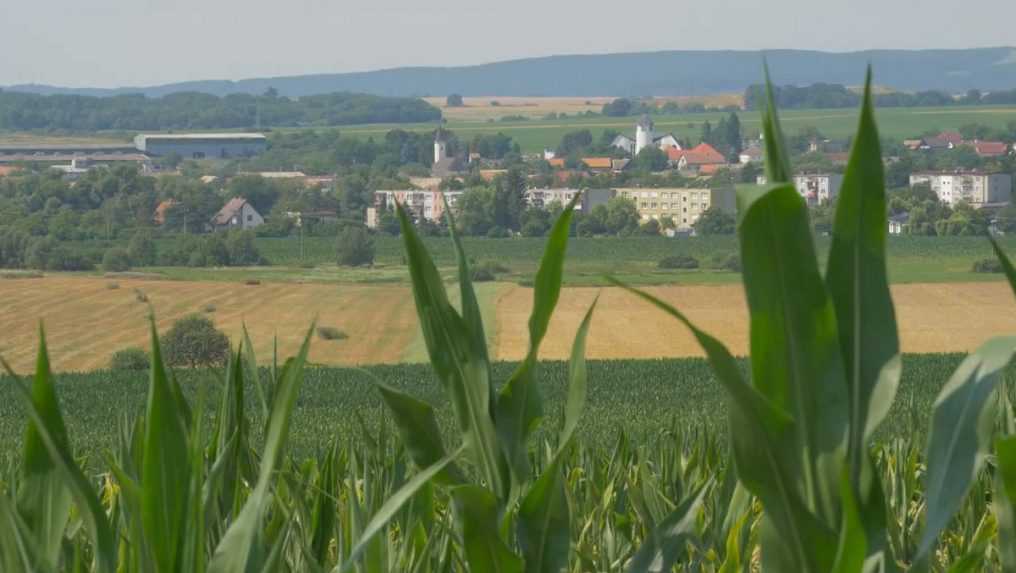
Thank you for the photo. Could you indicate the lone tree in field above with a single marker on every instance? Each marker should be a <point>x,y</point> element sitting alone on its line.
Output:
<point>355,247</point>
<point>454,100</point>
<point>193,341</point>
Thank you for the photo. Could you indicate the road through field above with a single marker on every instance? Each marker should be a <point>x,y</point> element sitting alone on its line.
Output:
<point>86,320</point>
<point>944,317</point>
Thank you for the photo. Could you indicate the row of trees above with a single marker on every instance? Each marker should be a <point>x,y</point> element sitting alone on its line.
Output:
<point>192,110</point>
<point>823,95</point>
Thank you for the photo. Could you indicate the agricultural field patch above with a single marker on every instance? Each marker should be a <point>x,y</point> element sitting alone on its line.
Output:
<point>88,319</point>
<point>943,317</point>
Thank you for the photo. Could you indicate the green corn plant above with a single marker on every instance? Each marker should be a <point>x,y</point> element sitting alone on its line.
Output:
<point>498,493</point>
<point>824,364</point>
<point>960,441</point>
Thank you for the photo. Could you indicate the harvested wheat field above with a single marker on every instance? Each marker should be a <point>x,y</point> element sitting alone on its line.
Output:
<point>86,320</point>
<point>945,317</point>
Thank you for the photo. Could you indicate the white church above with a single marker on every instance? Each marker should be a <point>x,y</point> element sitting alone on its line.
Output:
<point>644,137</point>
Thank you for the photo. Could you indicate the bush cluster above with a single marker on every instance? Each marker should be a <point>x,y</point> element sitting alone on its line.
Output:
<point>679,262</point>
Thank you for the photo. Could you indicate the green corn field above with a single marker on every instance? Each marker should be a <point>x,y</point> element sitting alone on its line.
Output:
<point>824,451</point>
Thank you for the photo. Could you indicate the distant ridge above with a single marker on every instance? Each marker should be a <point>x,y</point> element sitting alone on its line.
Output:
<point>630,74</point>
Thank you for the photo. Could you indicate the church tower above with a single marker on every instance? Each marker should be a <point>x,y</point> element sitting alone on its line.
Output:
<point>643,133</point>
<point>440,146</point>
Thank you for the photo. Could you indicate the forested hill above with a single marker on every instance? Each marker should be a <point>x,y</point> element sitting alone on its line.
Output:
<point>192,110</point>
<point>636,74</point>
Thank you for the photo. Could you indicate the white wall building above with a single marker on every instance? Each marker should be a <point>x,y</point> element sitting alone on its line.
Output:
<point>818,188</point>
<point>429,205</point>
<point>645,137</point>
<point>684,206</point>
<point>974,188</point>
<point>543,198</point>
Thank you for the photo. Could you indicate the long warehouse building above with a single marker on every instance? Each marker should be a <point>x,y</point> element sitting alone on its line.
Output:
<point>202,145</point>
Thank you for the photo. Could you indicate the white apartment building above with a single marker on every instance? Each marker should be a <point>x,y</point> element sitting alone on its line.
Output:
<point>429,205</point>
<point>972,187</point>
<point>818,188</point>
<point>543,198</point>
<point>684,206</point>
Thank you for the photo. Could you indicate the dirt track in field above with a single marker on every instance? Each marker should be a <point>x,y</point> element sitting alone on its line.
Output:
<point>86,321</point>
<point>947,317</point>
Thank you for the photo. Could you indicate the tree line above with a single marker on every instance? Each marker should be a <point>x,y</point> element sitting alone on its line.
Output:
<point>192,110</point>
<point>823,95</point>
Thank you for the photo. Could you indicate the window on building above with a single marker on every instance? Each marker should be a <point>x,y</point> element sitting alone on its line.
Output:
<point>250,218</point>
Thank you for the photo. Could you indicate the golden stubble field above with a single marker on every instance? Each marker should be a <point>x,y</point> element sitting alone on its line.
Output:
<point>480,108</point>
<point>86,321</point>
<point>944,317</point>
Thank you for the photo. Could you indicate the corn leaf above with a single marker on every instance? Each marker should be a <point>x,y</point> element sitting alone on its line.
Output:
<point>418,428</point>
<point>165,470</point>
<point>44,501</point>
<point>777,158</point>
<point>960,434</point>
<point>88,507</point>
<point>859,286</point>
<point>795,355</point>
<point>544,522</point>
<point>760,434</point>
<point>451,345</point>
<point>519,407</point>
<point>393,505</point>
<point>1004,502</point>
<point>477,510</point>
<point>241,548</point>
<point>1010,272</point>
<point>667,543</point>
<point>853,544</point>
<point>575,402</point>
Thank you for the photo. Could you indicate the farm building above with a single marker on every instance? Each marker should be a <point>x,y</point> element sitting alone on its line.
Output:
<point>684,206</point>
<point>201,145</point>
<point>975,188</point>
<point>237,214</point>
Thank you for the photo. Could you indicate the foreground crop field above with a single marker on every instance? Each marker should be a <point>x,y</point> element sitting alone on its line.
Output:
<point>643,398</point>
<point>88,321</point>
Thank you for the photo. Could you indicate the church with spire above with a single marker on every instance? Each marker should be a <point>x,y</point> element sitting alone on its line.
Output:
<point>645,136</point>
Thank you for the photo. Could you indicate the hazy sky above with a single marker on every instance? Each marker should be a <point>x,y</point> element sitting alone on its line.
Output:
<point>106,43</point>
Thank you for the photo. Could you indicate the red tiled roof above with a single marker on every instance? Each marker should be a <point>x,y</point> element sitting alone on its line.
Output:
<point>228,210</point>
<point>598,162</point>
<point>556,162</point>
<point>701,154</point>
<point>953,137</point>
<point>991,148</point>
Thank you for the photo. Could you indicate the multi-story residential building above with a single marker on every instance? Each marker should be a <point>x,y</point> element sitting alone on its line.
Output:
<point>684,206</point>
<point>429,205</point>
<point>542,198</point>
<point>818,188</point>
<point>975,188</point>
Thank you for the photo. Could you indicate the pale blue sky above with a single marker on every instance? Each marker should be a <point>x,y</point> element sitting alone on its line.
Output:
<point>108,43</point>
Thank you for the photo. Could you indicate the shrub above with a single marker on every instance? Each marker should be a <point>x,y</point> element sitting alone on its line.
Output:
<point>112,286</point>
<point>141,249</point>
<point>987,266</point>
<point>252,282</point>
<point>487,271</point>
<point>194,341</point>
<point>140,296</point>
<point>240,245</point>
<point>331,333</point>
<point>209,308</point>
<point>725,262</point>
<point>482,276</point>
<point>116,260</point>
<point>355,247</point>
<point>133,358</point>
<point>679,262</point>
